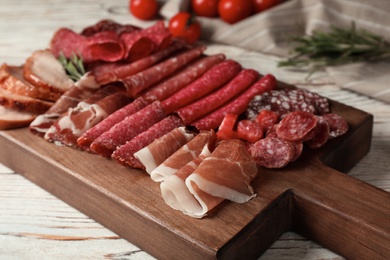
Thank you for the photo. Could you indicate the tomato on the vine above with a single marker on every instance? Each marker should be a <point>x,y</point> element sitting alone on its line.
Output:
<point>232,11</point>
<point>184,25</point>
<point>261,5</point>
<point>144,9</point>
<point>206,8</point>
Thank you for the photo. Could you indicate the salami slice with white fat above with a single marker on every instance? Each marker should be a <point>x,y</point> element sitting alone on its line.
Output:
<point>236,106</point>
<point>125,153</point>
<point>297,126</point>
<point>321,134</point>
<point>144,79</point>
<point>272,152</point>
<point>217,98</point>
<point>183,77</point>
<point>337,124</point>
<point>215,77</point>
<point>127,129</point>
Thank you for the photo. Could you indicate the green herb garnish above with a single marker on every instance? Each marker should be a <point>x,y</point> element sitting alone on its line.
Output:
<point>74,67</point>
<point>336,47</point>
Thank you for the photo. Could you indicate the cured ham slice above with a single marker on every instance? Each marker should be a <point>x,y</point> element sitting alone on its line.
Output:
<point>82,89</point>
<point>184,155</point>
<point>46,73</point>
<point>183,77</point>
<point>127,129</point>
<point>144,79</point>
<point>111,72</point>
<point>236,106</point>
<point>11,118</point>
<point>176,194</point>
<point>227,173</point>
<point>125,153</point>
<point>161,148</point>
<point>102,46</point>
<point>78,120</point>
<point>215,77</point>
<point>212,101</point>
<point>86,139</point>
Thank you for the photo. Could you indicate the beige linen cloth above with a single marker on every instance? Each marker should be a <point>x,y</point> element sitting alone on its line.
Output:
<point>270,32</point>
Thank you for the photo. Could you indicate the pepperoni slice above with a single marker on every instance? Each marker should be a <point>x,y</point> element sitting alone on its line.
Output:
<point>272,152</point>
<point>267,119</point>
<point>249,130</point>
<point>296,126</point>
<point>321,134</point>
<point>337,125</point>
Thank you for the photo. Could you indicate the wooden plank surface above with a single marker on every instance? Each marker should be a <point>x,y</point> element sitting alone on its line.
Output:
<point>19,40</point>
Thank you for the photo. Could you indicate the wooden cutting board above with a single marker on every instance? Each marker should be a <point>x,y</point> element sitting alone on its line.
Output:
<point>310,196</point>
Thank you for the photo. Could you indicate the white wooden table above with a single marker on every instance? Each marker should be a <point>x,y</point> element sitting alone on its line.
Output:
<point>36,225</point>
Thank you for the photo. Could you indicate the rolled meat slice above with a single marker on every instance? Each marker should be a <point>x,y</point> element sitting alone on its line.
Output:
<point>176,194</point>
<point>214,78</point>
<point>160,149</point>
<point>185,154</point>
<point>227,173</point>
<point>125,153</point>
<point>86,139</point>
<point>214,100</point>
<point>236,106</point>
<point>77,121</point>
<point>184,77</point>
<point>111,72</point>
<point>144,79</point>
<point>108,25</point>
<point>81,90</point>
<point>127,129</point>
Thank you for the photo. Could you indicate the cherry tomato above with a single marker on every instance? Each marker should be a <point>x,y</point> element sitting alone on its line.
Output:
<point>184,25</point>
<point>144,9</point>
<point>206,8</point>
<point>232,11</point>
<point>261,5</point>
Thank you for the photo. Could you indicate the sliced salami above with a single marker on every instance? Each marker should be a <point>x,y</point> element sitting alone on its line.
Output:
<point>337,124</point>
<point>217,98</point>
<point>111,72</point>
<point>215,77</point>
<point>144,79</point>
<point>321,134</point>
<point>267,119</point>
<point>296,126</point>
<point>184,77</point>
<point>125,153</point>
<point>236,106</point>
<point>86,139</point>
<point>108,25</point>
<point>127,129</point>
<point>272,152</point>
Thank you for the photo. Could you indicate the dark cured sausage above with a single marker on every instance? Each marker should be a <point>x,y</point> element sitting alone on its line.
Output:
<point>236,106</point>
<point>215,77</point>
<point>127,129</point>
<point>125,153</point>
<point>144,79</point>
<point>184,77</point>
<point>112,72</point>
<point>85,140</point>
<point>212,101</point>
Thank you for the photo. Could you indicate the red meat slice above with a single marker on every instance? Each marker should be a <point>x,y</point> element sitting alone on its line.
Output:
<point>321,134</point>
<point>297,126</point>
<point>337,125</point>
<point>272,152</point>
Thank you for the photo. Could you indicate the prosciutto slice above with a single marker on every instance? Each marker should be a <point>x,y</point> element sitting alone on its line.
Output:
<point>227,173</point>
<point>177,195</point>
<point>184,155</point>
<point>86,139</point>
<point>125,153</point>
<point>160,149</point>
<point>81,90</point>
<point>77,121</point>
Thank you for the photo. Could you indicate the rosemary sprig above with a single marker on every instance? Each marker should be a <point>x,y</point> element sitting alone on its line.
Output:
<point>74,67</point>
<point>336,47</point>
